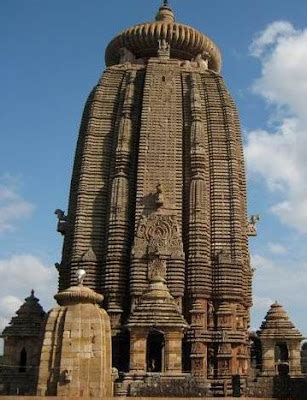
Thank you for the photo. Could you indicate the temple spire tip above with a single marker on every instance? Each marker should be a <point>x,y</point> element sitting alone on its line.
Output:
<point>165,12</point>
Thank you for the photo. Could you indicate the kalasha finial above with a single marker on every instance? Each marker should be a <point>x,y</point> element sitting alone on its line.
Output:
<point>80,274</point>
<point>165,13</point>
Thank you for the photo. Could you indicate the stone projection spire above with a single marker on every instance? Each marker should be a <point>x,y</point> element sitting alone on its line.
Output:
<point>158,189</point>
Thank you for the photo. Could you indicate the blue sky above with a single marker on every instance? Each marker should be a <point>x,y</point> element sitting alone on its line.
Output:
<point>52,54</point>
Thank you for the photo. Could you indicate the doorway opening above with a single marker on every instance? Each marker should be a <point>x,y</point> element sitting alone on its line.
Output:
<point>282,358</point>
<point>23,360</point>
<point>155,352</point>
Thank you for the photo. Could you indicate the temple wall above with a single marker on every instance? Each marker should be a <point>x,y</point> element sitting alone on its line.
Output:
<point>118,398</point>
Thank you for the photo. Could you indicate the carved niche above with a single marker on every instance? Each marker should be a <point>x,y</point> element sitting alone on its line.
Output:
<point>198,348</point>
<point>210,315</point>
<point>225,348</point>
<point>224,367</point>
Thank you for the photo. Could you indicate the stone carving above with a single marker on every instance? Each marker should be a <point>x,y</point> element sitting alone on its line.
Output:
<point>252,230</point>
<point>223,257</point>
<point>158,232</point>
<point>224,336</point>
<point>67,376</point>
<point>210,314</point>
<point>80,274</point>
<point>62,221</point>
<point>156,268</point>
<point>202,60</point>
<point>89,256</point>
<point>163,45</point>
<point>242,350</point>
<point>224,348</point>
<point>115,374</point>
<point>198,319</point>
<point>159,196</point>
<point>197,348</point>
<point>126,56</point>
<point>163,49</point>
<point>224,367</point>
<point>186,64</point>
<point>195,98</point>
<point>211,367</point>
<point>197,366</point>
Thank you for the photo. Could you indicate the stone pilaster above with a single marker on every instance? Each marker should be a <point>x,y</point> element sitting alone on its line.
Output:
<point>295,368</point>
<point>173,352</point>
<point>268,358</point>
<point>138,352</point>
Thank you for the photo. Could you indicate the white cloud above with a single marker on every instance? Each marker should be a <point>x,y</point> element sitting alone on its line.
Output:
<point>19,274</point>
<point>12,205</point>
<point>277,248</point>
<point>262,303</point>
<point>269,36</point>
<point>279,155</point>
<point>9,304</point>
<point>283,281</point>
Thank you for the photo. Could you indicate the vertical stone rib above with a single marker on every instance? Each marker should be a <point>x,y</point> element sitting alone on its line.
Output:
<point>159,162</point>
<point>117,260</point>
<point>242,180</point>
<point>160,151</point>
<point>228,220</point>
<point>64,270</point>
<point>225,194</point>
<point>89,188</point>
<point>199,269</point>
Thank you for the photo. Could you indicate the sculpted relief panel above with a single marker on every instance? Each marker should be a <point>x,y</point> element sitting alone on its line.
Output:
<point>158,234</point>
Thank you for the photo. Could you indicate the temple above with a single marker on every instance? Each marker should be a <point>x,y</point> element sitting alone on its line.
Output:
<point>158,189</point>
<point>157,221</point>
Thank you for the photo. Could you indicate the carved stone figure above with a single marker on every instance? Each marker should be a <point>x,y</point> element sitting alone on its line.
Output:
<point>159,195</point>
<point>164,49</point>
<point>252,230</point>
<point>126,56</point>
<point>62,221</point>
<point>80,274</point>
<point>115,374</point>
<point>67,376</point>
<point>202,60</point>
<point>163,45</point>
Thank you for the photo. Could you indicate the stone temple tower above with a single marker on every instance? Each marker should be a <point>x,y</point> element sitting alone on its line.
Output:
<point>157,209</point>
